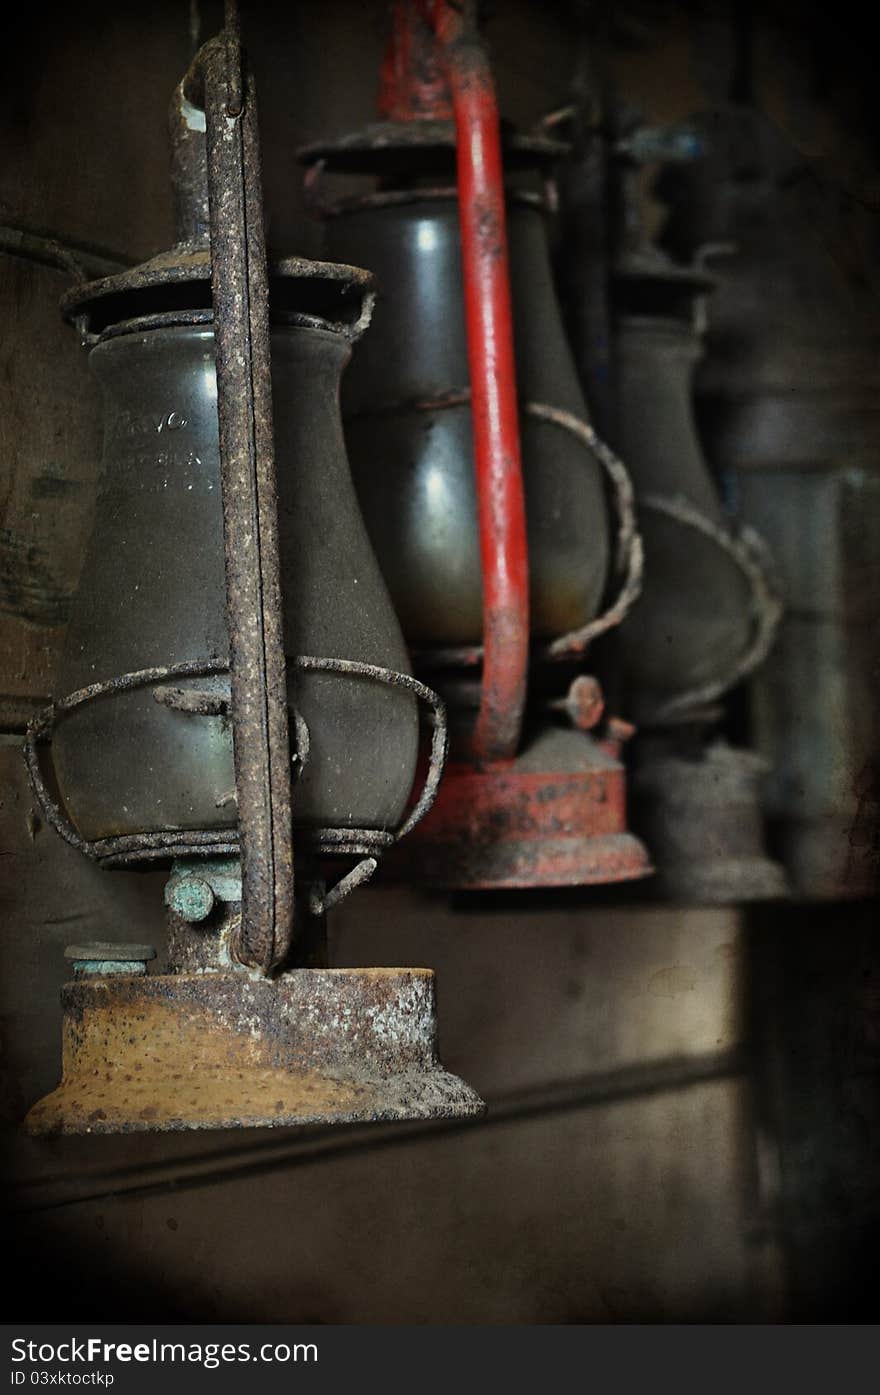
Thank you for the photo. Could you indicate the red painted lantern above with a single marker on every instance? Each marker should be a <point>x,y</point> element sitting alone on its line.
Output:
<point>480,478</point>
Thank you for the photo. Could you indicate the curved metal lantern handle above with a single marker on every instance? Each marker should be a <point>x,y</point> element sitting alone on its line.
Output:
<point>750,553</point>
<point>41,727</point>
<point>439,743</point>
<point>630,559</point>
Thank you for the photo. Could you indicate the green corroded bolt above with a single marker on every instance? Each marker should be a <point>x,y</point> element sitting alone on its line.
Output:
<point>191,897</point>
<point>94,960</point>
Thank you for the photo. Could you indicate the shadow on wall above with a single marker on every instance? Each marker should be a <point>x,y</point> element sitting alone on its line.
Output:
<point>610,1181</point>
<point>814,1013</point>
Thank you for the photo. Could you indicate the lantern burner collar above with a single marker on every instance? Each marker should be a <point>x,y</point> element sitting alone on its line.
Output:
<point>422,147</point>
<point>650,264</point>
<point>649,283</point>
<point>175,288</point>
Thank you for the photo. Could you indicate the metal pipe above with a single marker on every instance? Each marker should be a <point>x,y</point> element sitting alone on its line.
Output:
<point>240,289</point>
<point>489,319</point>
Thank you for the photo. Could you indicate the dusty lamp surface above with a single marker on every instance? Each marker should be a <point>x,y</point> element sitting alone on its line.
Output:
<point>142,750</point>
<point>152,587</point>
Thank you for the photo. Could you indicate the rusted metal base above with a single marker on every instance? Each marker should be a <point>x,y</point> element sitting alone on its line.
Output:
<point>556,816</point>
<point>230,1050</point>
<point>700,814</point>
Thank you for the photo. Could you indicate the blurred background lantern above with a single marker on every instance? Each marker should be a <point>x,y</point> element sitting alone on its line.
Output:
<point>787,397</point>
<point>709,609</point>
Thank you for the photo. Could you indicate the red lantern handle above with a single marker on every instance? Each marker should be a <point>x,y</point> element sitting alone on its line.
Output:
<point>494,405</point>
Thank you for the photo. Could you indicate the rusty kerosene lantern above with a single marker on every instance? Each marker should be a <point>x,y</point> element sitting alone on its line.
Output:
<point>251,732</point>
<point>480,478</point>
<point>709,610</point>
